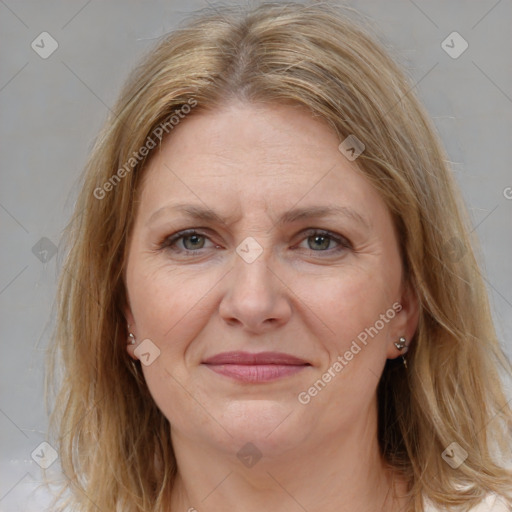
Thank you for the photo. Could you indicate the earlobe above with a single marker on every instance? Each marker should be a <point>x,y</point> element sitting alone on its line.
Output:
<point>405,323</point>
<point>131,339</point>
<point>131,344</point>
<point>131,353</point>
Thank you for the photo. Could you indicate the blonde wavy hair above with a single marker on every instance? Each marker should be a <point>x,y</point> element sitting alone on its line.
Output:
<point>113,441</point>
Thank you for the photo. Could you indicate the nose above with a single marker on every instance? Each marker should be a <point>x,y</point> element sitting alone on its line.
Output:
<point>256,298</point>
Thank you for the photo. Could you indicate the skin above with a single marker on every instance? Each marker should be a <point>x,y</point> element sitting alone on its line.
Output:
<point>251,163</point>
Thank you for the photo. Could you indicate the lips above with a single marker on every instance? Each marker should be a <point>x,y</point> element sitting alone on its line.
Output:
<point>255,358</point>
<point>255,367</point>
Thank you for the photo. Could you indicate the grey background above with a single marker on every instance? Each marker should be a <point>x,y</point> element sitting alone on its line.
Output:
<point>51,109</point>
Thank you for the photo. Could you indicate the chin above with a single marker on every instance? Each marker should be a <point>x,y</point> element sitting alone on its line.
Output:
<point>269,425</point>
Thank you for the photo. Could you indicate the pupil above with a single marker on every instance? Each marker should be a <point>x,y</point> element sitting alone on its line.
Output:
<point>194,239</point>
<point>319,238</point>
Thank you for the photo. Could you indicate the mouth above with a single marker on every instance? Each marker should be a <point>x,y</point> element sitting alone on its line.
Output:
<point>255,367</point>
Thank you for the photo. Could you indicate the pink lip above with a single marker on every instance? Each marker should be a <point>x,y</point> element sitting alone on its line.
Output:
<point>259,367</point>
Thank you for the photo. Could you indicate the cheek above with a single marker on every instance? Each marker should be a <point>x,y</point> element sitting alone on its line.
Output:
<point>171,307</point>
<point>166,304</point>
<point>357,342</point>
<point>161,295</point>
<point>356,300</point>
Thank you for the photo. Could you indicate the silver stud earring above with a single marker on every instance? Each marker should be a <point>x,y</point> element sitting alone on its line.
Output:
<point>400,344</point>
<point>131,339</point>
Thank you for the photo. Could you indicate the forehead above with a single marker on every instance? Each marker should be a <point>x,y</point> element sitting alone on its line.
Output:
<point>265,156</point>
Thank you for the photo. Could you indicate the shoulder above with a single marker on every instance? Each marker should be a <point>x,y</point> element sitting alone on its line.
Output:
<point>491,503</point>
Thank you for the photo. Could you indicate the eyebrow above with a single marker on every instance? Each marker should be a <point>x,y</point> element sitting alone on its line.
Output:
<point>201,213</point>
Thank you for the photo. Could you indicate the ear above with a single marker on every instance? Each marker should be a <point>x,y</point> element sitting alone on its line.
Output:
<point>131,327</point>
<point>405,322</point>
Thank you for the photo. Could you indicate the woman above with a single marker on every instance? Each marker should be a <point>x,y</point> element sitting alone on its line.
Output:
<point>261,308</point>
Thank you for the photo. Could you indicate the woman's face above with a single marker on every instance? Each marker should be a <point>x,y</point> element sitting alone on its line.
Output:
<point>266,270</point>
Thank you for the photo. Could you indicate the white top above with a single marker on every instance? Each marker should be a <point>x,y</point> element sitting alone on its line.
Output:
<point>491,503</point>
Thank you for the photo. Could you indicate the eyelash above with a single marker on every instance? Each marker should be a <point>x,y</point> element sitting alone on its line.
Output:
<point>168,242</point>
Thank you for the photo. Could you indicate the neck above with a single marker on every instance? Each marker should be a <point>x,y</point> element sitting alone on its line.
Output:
<point>343,471</point>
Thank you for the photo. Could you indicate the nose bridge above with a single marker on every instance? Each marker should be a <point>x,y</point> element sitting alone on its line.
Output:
<point>253,261</point>
<point>256,249</point>
<point>255,297</point>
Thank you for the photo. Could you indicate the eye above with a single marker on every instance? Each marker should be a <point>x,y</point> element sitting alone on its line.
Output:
<point>321,241</point>
<point>191,241</point>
